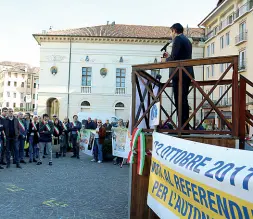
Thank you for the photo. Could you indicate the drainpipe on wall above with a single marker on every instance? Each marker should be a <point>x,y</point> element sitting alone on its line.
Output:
<point>70,48</point>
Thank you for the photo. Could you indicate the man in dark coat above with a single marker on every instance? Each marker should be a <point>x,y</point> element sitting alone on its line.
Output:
<point>181,50</point>
<point>12,134</point>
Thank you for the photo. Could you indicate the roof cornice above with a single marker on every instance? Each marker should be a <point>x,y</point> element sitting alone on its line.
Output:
<point>109,40</point>
<point>211,13</point>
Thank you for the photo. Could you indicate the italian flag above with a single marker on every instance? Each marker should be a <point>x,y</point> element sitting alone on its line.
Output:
<point>141,153</point>
<point>133,144</point>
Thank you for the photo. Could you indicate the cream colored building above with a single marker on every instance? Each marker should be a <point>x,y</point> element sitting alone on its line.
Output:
<point>89,69</point>
<point>229,31</point>
<point>18,86</point>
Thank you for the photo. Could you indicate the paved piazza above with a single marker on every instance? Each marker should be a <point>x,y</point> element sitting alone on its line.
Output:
<point>71,188</point>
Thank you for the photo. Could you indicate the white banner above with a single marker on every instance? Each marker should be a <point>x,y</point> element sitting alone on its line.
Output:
<point>154,117</point>
<point>120,142</point>
<point>87,141</point>
<point>194,180</point>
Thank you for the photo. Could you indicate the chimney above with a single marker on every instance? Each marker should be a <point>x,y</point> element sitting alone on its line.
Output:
<point>113,23</point>
<point>108,22</point>
<point>44,32</point>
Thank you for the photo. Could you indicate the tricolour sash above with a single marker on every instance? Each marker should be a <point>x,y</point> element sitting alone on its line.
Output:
<point>35,128</point>
<point>48,127</point>
<point>56,130</point>
<point>21,125</point>
<point>64,126</point>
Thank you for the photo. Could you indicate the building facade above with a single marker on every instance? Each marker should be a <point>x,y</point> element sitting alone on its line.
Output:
<point>18,86</point>
<point>229,31</point>
<point>89,69</point>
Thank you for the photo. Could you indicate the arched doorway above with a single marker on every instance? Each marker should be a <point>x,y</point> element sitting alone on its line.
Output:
<point>85,106</point>
<point>119,110</point>
<point>53,107</point>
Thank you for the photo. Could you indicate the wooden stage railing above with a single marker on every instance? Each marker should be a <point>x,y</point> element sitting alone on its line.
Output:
<point>148,97</point>
<point>246,118</point>
<point>146,91</point>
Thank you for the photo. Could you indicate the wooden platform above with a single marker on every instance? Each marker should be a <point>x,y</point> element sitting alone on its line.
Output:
<point>139,189</point>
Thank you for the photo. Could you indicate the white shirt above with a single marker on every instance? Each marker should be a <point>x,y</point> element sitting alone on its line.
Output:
<point>96,135</point>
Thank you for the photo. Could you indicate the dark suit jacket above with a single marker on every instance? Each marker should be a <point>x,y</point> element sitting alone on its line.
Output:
<point>6,127</point>
<point>181,50</point>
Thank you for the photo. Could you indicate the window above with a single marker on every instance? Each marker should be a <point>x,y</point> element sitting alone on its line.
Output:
<point>207,72</point>
<point>212,70</point>
<point>230,19</point>
<point>86,76</point>
<point>155,72</point>
<point>14,105</point>
<point>208,51</point>
<point>7,104</point>
<point>21,105</point>
<point>215,30</point>
<point>119,104</point>
<point>8,94</point>
<point>9,83</point>
<point>16,75</point>
<point>227,39</point>
<point>23,76</point>
<point>212,48</point>
<point>120,77</point>
<point>22,84</point>
<point>34,85</point>
<point>242,28</point>
<point>221,91</point>
<point>85,103</point>
<point>242,60</point>
<point>28,83</point>
<point>221,68</point>
<point>34,96</point>
<point>222,42</point>
<point>33,106</point>
<point>15,84</point>
<point>22,96</point>
<point>14,95</point>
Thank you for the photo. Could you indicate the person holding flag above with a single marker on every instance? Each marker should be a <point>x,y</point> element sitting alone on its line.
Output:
<point>33,138</point>
<point>46,129</point>
<point>21,137</point>
<point>64,137</point>
<point>75,128</point>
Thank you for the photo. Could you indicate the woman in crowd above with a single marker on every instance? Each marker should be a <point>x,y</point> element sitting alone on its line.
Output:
<point>64,138</point>
<point>33,138</point>
<point>119,160</point>
<point>57,131</point>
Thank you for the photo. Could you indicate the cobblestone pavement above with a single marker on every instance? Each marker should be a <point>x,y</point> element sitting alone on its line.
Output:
<point>70,188</point>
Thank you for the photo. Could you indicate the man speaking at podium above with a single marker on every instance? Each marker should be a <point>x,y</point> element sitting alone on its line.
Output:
<point>181,50</point>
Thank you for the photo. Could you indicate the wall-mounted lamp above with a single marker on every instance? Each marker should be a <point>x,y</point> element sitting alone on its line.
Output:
<point>87,59</point>
<point>121,59</point>
<point>155,61</point>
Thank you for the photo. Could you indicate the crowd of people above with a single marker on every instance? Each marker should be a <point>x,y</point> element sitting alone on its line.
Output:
<point>41,134</point>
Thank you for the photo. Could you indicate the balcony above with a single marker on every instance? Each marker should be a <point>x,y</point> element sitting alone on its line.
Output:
<point>120,90</point>
<point>209,35</point>
<point>225,23</point>
<point>242,37</point>
<point>242,65</point>
<point>244,9</point>
<point>86,89</point>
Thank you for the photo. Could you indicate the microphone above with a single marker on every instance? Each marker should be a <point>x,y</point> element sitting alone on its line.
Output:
<point>166,45</point>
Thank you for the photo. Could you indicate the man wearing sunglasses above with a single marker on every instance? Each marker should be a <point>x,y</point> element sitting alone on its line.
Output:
<point>99,141</point>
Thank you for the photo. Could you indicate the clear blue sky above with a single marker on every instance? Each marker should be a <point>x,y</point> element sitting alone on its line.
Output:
<point>19,19</point>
